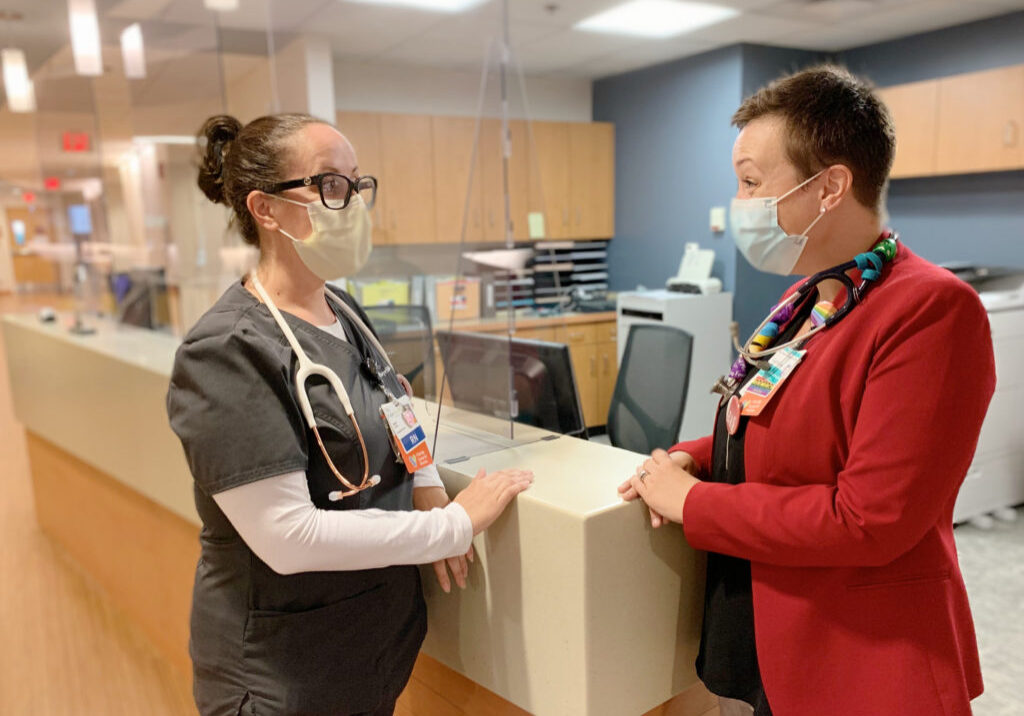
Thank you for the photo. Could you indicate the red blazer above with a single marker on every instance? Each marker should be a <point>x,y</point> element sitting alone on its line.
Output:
<point>847,511</point>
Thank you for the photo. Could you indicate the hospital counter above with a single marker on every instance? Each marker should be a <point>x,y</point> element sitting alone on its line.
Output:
<point>575,605</point>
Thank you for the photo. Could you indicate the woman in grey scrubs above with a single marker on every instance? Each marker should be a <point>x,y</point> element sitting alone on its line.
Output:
<point>307,599</point>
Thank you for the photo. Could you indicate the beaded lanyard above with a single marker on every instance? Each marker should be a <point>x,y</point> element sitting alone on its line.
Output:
<point>823,315</point>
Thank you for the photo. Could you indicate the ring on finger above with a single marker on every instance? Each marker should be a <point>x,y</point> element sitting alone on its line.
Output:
<point>643,475</point>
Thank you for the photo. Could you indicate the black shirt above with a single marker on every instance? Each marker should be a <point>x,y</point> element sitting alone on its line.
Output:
<point>727,660</point>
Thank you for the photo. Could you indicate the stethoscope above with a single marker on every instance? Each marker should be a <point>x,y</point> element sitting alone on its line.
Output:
<point>307,368</point>
<point>870,264</point>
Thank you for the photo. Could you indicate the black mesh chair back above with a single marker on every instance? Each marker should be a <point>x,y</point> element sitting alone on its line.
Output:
<point>408,337</point>
<point>650,391</point>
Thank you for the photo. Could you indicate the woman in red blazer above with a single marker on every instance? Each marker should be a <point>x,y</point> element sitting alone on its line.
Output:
<point>833,582</point>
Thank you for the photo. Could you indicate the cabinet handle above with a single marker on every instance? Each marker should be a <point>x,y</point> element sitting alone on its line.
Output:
<point>394,221</point>
<point>579,216</point>
<point>606,371</point>
<point>490,217</point>
<point>575,336</point>
<point>593,366</point>
<point>565,217</point>
<point>1010,134</point>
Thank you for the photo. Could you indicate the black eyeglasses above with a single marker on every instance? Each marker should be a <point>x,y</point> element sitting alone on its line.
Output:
<point>336,190</point>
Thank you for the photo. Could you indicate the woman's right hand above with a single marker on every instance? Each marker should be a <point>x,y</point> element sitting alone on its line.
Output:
<point>488,495</point>
<point>628,493</point>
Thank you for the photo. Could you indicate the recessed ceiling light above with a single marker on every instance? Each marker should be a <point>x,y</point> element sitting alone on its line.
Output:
<point>133,52</point>
<point>432,5</point>
<point>656,18</point>
<point>21,94</point>
<point>85,37</point>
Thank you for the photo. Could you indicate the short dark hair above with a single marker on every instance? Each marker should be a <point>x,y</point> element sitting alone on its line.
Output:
<point>831,117</point>
<point>235,160</point>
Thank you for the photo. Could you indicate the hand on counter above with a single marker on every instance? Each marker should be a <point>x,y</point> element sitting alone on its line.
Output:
<point>488,495</point>
<point>665,482</point>
<point>427,498</point>
<point>406,385</point>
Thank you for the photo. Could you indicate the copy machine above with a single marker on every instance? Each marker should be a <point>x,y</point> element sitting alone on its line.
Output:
<point>995,480</point>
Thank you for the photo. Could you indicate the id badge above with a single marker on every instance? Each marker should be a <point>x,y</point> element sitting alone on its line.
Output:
<point>407,436</point>
<point>763,387</point>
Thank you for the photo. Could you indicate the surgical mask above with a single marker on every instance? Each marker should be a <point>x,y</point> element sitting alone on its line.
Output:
<point>755,229</point>
<point>341,241</point>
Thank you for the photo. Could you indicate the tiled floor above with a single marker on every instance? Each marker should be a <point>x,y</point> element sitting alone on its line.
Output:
<point>993,565</point>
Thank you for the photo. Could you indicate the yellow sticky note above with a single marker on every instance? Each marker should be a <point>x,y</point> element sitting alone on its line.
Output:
<point>536,221</point>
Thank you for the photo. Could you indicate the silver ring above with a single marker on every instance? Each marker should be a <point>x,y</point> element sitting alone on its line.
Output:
<point>643,474</point>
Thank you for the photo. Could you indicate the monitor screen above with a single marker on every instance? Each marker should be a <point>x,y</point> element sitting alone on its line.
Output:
<point>543,385</point>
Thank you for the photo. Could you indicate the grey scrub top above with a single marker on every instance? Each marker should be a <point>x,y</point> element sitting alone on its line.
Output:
<point>311,643</point>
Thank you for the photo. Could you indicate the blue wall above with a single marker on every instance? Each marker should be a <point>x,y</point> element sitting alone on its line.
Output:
<point>672,152</point>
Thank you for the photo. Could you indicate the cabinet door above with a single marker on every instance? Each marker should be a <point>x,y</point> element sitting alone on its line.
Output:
<point>407,158</point>
<point>980,121</point>
<point>585,366</point>
<point>492,168</point>
<point>456,171</point>
<point>363,130</point>
<point>592,180</point>
<point>549,176</point>
<point>915,112</point>
<point>608,371</point>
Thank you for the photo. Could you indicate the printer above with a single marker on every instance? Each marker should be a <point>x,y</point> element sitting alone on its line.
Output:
<point>694,275</point>
<point>995,480</point>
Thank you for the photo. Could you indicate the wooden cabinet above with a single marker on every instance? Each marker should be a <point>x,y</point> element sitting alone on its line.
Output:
<point>549,177</point>
<point>595,362</point>
<point>456,172</point>
<point>592,180</point>
<point>493,181</point>
<point>407,178</point>
<point>363,130</point>
<point>914,108</point>
<point>959,124</point>
<point>573,170</point>
<point>423,165</point>
<point>981,116</point>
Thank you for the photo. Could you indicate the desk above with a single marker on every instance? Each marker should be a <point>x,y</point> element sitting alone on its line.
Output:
<point>550,622</point>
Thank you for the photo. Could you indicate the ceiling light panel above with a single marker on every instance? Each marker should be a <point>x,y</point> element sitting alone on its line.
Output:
<point>85,37</point>
<point>656,18</point>
<point>21,94</point>
<point>133,53</point>
<point>430,5</point>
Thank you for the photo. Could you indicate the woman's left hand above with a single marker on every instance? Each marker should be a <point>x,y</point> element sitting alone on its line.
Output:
<point>664,486</point>
<point>427,498</point>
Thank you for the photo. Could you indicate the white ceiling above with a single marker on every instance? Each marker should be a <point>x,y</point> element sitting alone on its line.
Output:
<point>540,30</point>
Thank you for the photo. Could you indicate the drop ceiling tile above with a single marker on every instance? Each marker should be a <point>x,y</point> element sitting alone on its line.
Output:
<point>752,28</point>
<point>641,56</point>
<point>573,47</point>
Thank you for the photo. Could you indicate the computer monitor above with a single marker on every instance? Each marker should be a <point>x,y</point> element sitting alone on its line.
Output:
<point>545,395</point>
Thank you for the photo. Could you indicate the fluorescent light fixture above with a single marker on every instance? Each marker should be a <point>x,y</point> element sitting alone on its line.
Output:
<point>21,93</point>
<point>85,37</point>
<point>221,5</point>
<point>184,139</point>
<point>133,52</point>
<point>432,5</point>
<point>656,18</point>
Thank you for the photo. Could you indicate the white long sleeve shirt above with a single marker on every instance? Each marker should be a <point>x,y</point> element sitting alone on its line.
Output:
<point>278,520</point>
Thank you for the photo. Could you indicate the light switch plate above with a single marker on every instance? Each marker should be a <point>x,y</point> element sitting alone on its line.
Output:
<point>717,219</point>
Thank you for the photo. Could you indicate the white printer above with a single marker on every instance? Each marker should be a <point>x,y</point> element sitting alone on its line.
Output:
<point>694,275</point>
<point>995,480</point>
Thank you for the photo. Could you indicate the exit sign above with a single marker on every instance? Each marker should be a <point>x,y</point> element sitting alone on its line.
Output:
<point>75,141</point>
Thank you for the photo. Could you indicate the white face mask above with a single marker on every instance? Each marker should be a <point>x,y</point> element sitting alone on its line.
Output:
<point>756,231</point>
<point>341,241</point>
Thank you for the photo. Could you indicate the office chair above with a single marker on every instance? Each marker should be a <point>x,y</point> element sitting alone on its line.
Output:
<point>650,390</point>
<point>407,336</point>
